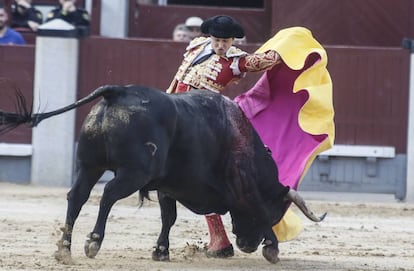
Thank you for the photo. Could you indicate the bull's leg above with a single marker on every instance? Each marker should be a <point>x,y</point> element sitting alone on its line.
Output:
<point>270,249</point>
<point>168,216</point>
<point>76,197</point>
<point>125,182</point>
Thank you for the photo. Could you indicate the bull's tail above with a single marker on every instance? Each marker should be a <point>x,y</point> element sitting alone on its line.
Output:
<point>9,121</point>
<point>300,202</point>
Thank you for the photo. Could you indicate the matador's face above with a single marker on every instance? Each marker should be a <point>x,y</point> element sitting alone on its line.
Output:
<point>221,45</point>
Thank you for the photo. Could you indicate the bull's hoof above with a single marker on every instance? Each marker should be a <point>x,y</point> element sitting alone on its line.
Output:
<point>161,254</point>
<point>63,254</point>
<point>92,245</point>
<point>271,254</point>
<point>221,253</point>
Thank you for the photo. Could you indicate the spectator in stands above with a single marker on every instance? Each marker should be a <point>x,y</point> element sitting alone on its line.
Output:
<point>25,16</point>
<point>194,24</point>
<point>68,11</point>
<point>8,35</point>
<point>181,33</point>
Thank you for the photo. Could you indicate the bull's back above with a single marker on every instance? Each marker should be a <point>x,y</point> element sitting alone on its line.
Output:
<point>211,132</point>
<point>202,127</point>
<point>126,126</point>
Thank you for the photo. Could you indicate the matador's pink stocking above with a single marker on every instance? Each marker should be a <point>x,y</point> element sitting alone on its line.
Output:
<point>220,246</point>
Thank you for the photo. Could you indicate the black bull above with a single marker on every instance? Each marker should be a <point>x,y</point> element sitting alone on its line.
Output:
<point>196,148</point>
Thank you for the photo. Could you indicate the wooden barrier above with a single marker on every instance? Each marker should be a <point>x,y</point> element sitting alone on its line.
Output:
<point>16,72</point>
<point>152,21</point>
<point>370,83</point>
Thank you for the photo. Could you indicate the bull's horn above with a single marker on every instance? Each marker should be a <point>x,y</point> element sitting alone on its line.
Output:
<point>300,202</point>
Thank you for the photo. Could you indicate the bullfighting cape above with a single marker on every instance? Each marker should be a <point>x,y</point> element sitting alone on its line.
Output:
<point>291,108</point>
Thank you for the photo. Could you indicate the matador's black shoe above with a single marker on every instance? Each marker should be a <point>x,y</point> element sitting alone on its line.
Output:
<point>221,253</point>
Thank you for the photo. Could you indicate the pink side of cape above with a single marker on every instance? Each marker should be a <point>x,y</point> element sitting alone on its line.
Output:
<point>273,108</point>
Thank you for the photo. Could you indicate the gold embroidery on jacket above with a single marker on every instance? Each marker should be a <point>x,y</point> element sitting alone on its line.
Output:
<point>189,57</point>
<point>260,62</point>
<point>204,75</point>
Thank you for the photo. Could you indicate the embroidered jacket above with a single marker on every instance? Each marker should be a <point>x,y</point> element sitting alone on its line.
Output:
<point>217,71</point>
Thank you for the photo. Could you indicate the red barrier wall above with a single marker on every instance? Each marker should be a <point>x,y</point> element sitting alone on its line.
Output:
<point>350,22</point>
<point>16,72</point>
<point>152,21</point>
<point>370,83</point>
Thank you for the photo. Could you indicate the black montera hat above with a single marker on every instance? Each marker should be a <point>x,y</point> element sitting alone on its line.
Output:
<point>222,26</point>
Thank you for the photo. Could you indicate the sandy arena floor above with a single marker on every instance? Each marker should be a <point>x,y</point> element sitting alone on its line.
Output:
<point>355,236</point>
